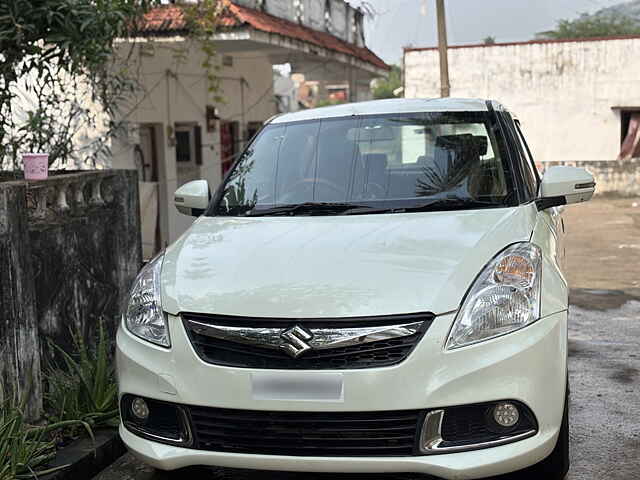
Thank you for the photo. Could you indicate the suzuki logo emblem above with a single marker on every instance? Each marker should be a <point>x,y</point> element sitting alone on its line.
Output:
<point>296,339</point>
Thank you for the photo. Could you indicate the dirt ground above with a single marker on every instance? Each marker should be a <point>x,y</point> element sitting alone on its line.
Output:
<point>603,244</point>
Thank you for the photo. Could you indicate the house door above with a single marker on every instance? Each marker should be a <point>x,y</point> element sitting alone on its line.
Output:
<point>228,144</point>
<point>147,165</point>
<point>188,152</point>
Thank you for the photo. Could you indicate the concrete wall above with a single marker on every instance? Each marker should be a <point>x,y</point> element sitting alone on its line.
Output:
<point>69,252</point>
<point>176,91</point>
<point>561,91</point>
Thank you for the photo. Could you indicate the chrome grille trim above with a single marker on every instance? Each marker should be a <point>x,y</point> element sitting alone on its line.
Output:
<point>322,338</point>
<point>305,343</point>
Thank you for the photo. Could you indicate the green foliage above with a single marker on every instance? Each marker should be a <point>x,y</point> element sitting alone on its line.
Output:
<point>384,87</point>
<point>201,19</point>
<point>22,450</point>
<point>85,389</point>
<point>81,396</point>
<point>587,26</point>
<point>489,40</point>
<point>57,63</point>
<point>25,449</point>
<point>329,102</point>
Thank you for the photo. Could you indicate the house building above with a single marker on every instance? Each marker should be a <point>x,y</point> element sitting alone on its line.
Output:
<point>176,132</point>
<point>578,100</point>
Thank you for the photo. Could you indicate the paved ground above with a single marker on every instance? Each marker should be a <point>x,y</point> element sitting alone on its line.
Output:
<point>604,337</point>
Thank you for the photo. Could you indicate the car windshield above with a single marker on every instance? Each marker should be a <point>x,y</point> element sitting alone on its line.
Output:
<point>369,164</point>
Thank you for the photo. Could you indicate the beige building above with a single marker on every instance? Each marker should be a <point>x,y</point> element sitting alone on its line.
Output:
<point>176,132</point>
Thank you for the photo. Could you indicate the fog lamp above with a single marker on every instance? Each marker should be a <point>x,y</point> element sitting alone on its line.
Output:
<point>506,414</point>
<point>139,409</point>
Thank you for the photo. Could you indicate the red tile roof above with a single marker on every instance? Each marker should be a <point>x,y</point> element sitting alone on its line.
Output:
<point>164,19</point>
<point>169,19</point>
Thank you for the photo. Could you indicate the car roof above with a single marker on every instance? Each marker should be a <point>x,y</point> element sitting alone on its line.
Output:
<point>393,105</point>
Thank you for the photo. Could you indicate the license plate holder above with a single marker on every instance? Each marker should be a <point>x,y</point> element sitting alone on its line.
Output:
<point>300,387</point>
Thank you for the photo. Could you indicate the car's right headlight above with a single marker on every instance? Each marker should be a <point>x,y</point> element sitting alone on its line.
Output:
<point>505,297</point>
<point>144,316</point>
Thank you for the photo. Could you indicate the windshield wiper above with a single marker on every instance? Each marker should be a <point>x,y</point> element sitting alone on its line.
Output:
<point>441,204</point>
<point>306,208</point>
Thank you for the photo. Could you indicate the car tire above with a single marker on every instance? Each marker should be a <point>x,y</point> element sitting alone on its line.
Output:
<point>556,465</point>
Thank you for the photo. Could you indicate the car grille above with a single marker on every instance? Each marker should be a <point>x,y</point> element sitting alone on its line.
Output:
<point>314,434</point>
<point>256,354</point>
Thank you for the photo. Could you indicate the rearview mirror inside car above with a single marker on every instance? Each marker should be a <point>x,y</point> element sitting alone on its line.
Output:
<point>565,185</point>
<point>192,198</point>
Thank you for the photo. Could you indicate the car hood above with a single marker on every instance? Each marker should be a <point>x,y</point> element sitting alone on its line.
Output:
<point>335,266</point>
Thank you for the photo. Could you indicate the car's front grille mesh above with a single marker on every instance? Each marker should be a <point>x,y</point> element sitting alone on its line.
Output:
<point>380,353</point>
<point>329,434</point>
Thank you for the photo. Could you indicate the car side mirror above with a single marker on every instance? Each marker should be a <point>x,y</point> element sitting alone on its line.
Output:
<point>565,185</point>
<point>192,198</point>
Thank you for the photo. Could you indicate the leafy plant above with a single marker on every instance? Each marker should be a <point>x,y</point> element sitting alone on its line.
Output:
<point>68,73</point>
<point>85,389</point>
<point>385,87</point>
<point>201,19</point>
<point>329,102</point>
<point>60,82</point>
<point>25,449</point>
<point>587,26</point>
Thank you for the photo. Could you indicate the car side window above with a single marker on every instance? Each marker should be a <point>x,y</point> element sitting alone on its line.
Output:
<point>531,164</point>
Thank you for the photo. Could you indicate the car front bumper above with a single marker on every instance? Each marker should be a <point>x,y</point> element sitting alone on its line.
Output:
<point>528,365</point>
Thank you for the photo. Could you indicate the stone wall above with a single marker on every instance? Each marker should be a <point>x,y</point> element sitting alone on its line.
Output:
<point>69,251</point>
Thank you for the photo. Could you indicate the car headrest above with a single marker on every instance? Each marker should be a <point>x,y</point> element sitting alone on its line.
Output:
<point>477,143</point>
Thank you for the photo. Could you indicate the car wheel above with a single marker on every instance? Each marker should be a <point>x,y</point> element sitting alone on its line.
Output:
<point>556,465</point>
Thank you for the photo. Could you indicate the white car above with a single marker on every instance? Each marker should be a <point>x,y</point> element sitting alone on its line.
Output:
<point>375,287</point>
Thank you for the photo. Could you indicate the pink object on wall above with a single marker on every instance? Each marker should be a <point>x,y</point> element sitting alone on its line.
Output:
<point>36,166</point>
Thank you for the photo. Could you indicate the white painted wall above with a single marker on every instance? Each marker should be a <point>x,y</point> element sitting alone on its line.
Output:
<point>561,91</point>
<point>182,96</point>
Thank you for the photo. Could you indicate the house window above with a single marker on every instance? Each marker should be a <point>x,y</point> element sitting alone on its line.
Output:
<point>188,145</point>
<point>629,133</point>
<point>252,129</point>
<point>358,36</point>
<point>328,22</point>
<point>229,145</point>
<point>298,7</point>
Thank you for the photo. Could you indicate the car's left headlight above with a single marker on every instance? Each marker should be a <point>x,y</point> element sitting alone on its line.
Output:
<point>144,316</point>
<point>505,297</point>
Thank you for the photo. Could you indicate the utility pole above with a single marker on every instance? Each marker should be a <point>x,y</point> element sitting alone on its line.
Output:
<point>442,49</point>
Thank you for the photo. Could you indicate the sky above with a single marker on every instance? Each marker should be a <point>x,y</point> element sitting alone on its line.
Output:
<point>400,23</point>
